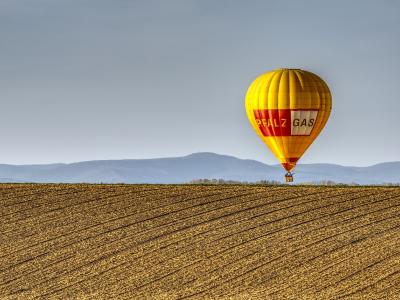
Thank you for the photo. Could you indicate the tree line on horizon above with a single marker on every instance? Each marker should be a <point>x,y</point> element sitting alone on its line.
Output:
<point>275,182</point>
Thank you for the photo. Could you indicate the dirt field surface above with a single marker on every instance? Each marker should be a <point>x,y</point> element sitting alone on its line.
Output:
<point>198,242</point>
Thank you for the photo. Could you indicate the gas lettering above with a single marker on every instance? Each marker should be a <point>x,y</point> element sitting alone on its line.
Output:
<point>303,122</point>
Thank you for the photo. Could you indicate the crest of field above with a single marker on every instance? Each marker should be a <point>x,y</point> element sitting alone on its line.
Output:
<point>79,241</point>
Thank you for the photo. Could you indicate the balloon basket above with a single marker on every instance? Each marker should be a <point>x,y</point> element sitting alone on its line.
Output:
<point>289,177</point>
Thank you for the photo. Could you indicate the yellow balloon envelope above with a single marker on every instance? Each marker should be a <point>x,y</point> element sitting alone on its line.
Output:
<point>288,108</point>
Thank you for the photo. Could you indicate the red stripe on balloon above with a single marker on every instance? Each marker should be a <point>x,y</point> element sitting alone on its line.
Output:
<point>273,122</point>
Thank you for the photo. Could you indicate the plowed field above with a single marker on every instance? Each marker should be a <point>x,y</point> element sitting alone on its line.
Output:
<point>194,242</point>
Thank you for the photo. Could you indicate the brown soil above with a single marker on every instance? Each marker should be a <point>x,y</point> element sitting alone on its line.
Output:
<point>198,241</point>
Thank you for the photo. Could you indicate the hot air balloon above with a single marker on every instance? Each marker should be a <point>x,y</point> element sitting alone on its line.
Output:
<point>288,108</point>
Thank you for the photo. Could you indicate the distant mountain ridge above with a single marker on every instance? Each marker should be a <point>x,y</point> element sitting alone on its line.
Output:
<point>193,166</point>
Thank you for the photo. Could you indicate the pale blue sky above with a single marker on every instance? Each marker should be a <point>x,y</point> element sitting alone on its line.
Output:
<point>96,79</point>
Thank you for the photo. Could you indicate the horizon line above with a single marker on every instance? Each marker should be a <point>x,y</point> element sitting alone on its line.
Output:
<point>182,156</point>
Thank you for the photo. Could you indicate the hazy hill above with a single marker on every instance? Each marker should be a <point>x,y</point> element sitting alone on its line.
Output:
<point>194,166</point>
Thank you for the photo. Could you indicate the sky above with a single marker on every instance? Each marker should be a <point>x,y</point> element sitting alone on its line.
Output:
<point>96,79</point>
